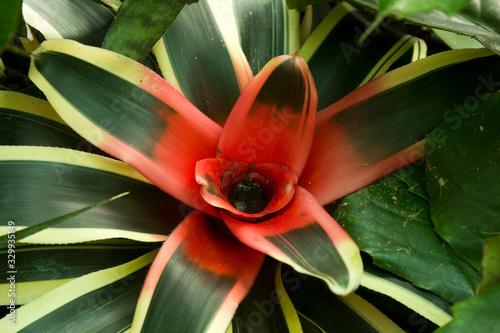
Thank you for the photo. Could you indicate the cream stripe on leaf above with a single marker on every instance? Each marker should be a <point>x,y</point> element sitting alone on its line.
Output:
<point>289,311</point>
<point>407,42</point>
<point>371,314</point>
<point>29,121</point>
<point>22,102</point>
<point>408,295</point>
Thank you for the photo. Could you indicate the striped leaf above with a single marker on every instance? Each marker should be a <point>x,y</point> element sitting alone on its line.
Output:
<point>331,313</point>
<point>313,15</point>
<point>85,21</point>
<point>379,127</point>
<point>267,29</point>
<point>128,111</point>
<point>427,304</point>
<point>100,301</point>
<point>197,280</point>
<point>41,269</point>
<point>267,307</point>
<point>56,181</point>
<point>29,121</point>
<point>340,64</point>
<point>20,235</point>
<point>208,67</point>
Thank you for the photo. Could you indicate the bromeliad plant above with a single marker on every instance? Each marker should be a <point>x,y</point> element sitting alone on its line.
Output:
<point>249,164</point>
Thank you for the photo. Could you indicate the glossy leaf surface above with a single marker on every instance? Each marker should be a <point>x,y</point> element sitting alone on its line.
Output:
<point>478,19</point>
<point>339,63</point>
<point>139,25</point>
<point>462,173</point>
<point>393,226</point>
<point>333,313</point>
<point>273,120</point>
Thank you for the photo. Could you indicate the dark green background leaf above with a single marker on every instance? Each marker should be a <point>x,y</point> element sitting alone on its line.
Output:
<point>140,24</point>
<point>491,265</point>
<point>405,7</point>
<point>298,4</point>
<point>463,177</point>
<point>478,19</point>
<point>9,10</point>
<point>393,226</point>
<point>479,314</point>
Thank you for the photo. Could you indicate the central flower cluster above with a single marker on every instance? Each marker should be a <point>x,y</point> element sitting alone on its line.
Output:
<point>250,192</point>
<point>245,191</point>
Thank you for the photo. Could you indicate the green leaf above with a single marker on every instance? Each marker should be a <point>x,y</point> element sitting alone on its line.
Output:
<point>478,19</point>
<point>101,301</point>
<point>462,173</point>
<point>405,7</point>
<point>393,226</point>
<point>9,10</point>
<point>20,234</point>
<point>457,41</point>
<point>85,21</point>
<point>130,112</point>
<point>298,4</point>
<point>139,25</point>
<point>380,127</point>
<point>491,265</point>
<point>478,314</point>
